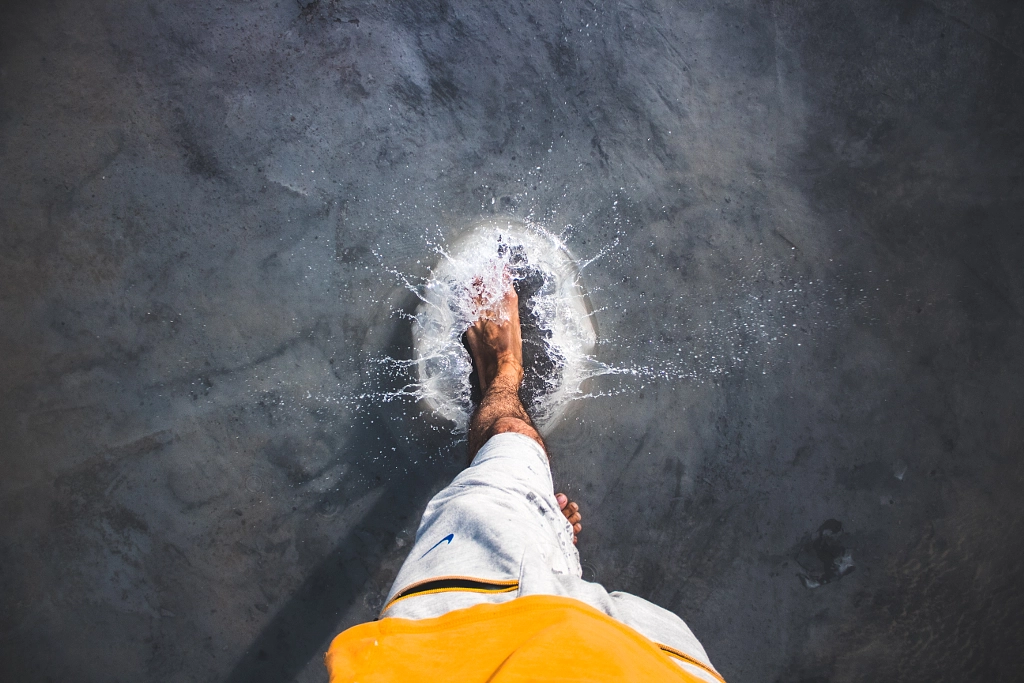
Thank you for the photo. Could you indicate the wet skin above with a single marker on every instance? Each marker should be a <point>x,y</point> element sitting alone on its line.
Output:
<point>496,345</point>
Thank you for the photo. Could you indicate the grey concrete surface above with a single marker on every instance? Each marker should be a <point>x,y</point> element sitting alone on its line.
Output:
<point>206,209</point>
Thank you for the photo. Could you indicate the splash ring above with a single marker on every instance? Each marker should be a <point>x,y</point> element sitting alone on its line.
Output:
<point>559,329</point>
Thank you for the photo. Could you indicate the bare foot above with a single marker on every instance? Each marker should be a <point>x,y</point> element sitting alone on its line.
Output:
<point>571,512</point>
<point>484,360</point>
<point>495,341</point>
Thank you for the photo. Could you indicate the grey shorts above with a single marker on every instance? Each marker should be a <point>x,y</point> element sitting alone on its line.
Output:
<point>496,533</point>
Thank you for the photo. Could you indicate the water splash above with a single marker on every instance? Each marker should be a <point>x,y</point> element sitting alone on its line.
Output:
<point>558,326</point>
<point>761,318</point>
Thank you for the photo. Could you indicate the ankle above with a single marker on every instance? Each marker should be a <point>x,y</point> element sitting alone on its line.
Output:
<point>510,368</point>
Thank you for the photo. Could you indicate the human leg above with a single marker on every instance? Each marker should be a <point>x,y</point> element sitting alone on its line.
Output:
<point>476,534</point>
<point>496,345</point>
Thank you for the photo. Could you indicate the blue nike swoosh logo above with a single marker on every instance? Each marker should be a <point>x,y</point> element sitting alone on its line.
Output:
<point>447,539</point>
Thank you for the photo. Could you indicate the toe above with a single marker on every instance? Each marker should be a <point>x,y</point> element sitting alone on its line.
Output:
<point>572,512</point>
<point>562,499</point>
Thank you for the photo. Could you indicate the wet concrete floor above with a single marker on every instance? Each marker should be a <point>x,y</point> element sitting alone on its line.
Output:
<point>811,222</point>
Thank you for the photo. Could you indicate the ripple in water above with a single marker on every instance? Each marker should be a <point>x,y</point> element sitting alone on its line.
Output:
<point>558,327</point>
